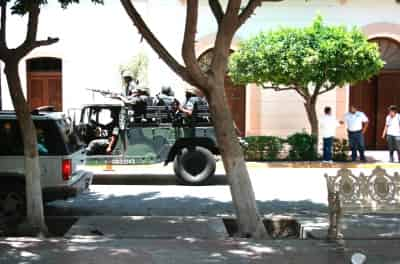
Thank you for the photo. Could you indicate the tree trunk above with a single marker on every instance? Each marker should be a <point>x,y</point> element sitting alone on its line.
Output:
<point>33,188</point>
<point>248,218</point>
<point>311,109</point>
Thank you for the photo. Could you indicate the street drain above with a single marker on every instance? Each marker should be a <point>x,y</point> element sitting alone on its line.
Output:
<point>277,227</point>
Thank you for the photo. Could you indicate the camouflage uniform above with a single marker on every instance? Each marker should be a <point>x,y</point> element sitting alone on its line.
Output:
<point>99,146</point>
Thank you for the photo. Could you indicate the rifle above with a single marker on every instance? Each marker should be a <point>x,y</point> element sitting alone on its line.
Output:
<point>118,96</point>
<point>105,93</point>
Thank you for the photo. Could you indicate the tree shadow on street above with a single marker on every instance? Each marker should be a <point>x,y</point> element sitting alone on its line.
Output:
<point>149,179</point>
<point>153,203</point>
<point>106,250</point>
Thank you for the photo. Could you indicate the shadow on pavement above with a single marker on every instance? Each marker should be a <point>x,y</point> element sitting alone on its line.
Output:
<point>181,250</point>
<point>154,204</point>
<point>191,250</point>
<point>149,179</point>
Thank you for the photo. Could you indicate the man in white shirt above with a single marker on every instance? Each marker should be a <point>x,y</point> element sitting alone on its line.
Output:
<point>357,125</point>
<point>392,132</point>
<point>328,126</point>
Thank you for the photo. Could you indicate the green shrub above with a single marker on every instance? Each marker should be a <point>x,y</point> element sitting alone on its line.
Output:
<point>263,148</point>
<point>273,147</point>
<point>251,152</point>
<point>302,147</point>
<point>340,149</point>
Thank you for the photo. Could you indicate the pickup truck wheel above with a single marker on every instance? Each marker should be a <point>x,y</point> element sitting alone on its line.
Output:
<point>194,166</point>
<point>12,204</point>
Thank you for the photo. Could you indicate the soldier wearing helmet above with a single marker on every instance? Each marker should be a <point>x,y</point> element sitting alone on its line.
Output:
<point>193,99</point>
<point>167,90</point>
<point>141,95</point>
<point>130,83</point>
<point>137,101</point>
<point>165,97</point>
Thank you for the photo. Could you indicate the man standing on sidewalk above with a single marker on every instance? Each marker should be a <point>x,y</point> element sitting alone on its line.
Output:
<point>328,126</point>
<point>392,132</point>
<point>357,124</point>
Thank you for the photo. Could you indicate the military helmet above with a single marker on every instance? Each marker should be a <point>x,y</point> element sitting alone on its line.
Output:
<point>166,90</point>
<point>127,73</point>
<point>143,89</point>
<point>192,90</point>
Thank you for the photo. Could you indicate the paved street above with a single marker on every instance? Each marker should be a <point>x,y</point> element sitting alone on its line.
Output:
<point>277,190</point>
<point>153,190</point>
<point>141,215</point>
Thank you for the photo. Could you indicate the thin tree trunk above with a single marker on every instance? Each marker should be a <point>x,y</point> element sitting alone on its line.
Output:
<point>311,109</point>
<point>33,188</point>
<point>249,220</point>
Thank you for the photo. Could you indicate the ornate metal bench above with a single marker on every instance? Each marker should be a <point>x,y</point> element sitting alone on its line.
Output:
<point>348,193</point>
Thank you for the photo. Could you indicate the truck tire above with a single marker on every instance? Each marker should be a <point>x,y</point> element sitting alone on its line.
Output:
<point>12,203</point>
<point>194,166</point>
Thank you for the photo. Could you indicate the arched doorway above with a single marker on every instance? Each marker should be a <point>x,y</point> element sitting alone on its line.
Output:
<point>44,82</point>
<point>374,96</point>
<point>236,94</point>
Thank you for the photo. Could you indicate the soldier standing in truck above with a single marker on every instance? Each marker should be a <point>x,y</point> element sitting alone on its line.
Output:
<point>130,83</point>
<point>193,100</point>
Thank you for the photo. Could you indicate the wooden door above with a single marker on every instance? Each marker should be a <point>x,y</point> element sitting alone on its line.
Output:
<point>45,88</point>
<point>364,96</point>
<point>388,94</point>
<point>236,95</point>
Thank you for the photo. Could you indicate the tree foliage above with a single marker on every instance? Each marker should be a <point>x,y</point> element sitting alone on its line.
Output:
<point>21,7</point>
<point>311,61</point>
<point>139,66</point>
<point>318,57</point>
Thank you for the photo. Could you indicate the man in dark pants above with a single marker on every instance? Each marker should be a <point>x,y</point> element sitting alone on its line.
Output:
<point>328,125</point>
<point>357,125</point>
<point>391,132</point>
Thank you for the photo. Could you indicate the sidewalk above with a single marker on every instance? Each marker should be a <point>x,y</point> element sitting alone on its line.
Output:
<point>364,227</point>
<point>191,251</point>
<point>182,240</point>
<point>138,239</point>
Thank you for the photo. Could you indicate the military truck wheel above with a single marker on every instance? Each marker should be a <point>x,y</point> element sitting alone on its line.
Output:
<point>194,166</point>
<point>12,203</point>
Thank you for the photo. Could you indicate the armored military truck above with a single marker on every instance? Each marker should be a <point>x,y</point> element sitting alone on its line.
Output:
<point>153,134</point>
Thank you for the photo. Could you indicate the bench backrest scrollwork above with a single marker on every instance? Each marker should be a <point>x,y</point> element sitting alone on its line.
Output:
<point>377,192</point>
